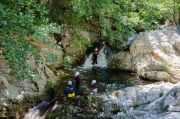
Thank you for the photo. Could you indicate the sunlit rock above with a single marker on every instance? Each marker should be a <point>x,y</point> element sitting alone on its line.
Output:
<point>153,55</point>
<point>153,101</point>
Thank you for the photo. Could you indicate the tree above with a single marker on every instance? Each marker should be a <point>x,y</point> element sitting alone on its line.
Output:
<point>119,19</point>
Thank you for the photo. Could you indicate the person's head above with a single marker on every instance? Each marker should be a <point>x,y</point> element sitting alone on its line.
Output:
<point>96,49</point>
<point>93,82</point>
<point>69,83</point>
<point>77,74</point>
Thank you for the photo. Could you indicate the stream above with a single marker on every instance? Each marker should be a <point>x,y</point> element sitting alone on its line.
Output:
<point>109,80</point>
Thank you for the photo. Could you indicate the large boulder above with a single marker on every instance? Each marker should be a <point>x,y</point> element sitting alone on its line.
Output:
<point>154,55</point>
<point>153,101</point>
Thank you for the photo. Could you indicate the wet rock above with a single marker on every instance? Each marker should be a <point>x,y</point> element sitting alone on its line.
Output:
<point>153,55</point>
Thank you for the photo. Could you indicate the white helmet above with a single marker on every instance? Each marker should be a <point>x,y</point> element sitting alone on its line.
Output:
<point>77,73</point>
<point>69,82</point>
<point>93,82</point>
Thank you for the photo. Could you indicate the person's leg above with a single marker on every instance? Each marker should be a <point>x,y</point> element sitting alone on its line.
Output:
<point>77,87</point>
<point>96,61</point>
<point>93,61</point>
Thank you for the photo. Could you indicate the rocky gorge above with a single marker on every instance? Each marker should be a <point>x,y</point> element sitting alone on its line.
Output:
<point>153,101</point>
<point>130,48</point>
<point>153,55</point>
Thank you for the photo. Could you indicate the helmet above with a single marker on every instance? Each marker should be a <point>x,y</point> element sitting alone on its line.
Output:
<point>96,49</point>
<point>93,82</point>
<point>77,73</point>
<point>69,82</point>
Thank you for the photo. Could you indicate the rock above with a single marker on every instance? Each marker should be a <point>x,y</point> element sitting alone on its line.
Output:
<point>91,36</point>
<point>174,108</point>
<point>169,101</point>
<point>50,75</point>
<point>125,63</point>
<point>157,75</point>
<point>9,91</point>
<point>155,105</point>
<point>153,101</point>
<point>178,100</point>
<point>153,55</point>
<point>14,93</point>
<point>173,115</point>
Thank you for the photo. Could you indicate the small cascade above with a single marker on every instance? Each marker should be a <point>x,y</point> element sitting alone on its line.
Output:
<point>34,113</point>
<point>101,61</point>
<point>40,111</point>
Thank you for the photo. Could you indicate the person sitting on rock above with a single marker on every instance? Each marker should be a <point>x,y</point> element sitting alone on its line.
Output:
<point>69,91</point>
<point>95,56</point>
<point>94,86</point>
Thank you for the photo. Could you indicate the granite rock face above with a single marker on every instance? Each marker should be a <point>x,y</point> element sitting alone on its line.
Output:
<point>153,101</point>
<point>154,55</point>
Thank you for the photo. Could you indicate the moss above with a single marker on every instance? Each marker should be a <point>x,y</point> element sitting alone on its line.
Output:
<point>167,50</point>
<point>165,68</point>
<point>62,74</point>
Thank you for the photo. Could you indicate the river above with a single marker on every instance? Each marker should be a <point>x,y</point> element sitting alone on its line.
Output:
<point>109,80</point>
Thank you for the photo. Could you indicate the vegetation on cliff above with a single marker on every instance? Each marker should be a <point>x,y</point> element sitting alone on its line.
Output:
<point>25,26</point>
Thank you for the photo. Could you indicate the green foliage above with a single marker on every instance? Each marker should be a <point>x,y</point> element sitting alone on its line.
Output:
<point>20,18</point>
<point>80,42</point>
<point>48,86</point>
<point>165,68</point>
<point>52,58</point>
<point>118,19</point>
<point>16,52</point>
<point>167,50</point>
<point>114,19</point>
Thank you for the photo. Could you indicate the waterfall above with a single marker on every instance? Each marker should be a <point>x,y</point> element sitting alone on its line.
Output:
<point>34,113</point>
<point>39,111</point>
<point>101,61</point>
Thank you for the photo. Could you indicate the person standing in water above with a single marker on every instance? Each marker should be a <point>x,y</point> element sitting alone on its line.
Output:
<point>77,80</point>
<point>95,56</point>
<point>94,86</point>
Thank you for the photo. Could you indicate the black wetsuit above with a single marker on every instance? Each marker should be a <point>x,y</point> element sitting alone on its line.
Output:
<point>94,57</point>
<point>77,79</point>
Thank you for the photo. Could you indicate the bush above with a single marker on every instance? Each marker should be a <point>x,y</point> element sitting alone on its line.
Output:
<point>118,19</point>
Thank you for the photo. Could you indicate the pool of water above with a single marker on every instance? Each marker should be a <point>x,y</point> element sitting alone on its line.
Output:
<point>108,79</point>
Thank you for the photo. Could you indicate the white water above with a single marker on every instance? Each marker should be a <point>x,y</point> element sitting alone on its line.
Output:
<point>34,113</point>
<point>101,61</point>
<point>39,111</point>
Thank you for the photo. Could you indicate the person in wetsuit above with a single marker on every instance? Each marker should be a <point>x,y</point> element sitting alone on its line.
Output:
<point>95,56</point>
<point>94,86</point>
<point>77,81</point>
<point>69,91</point>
